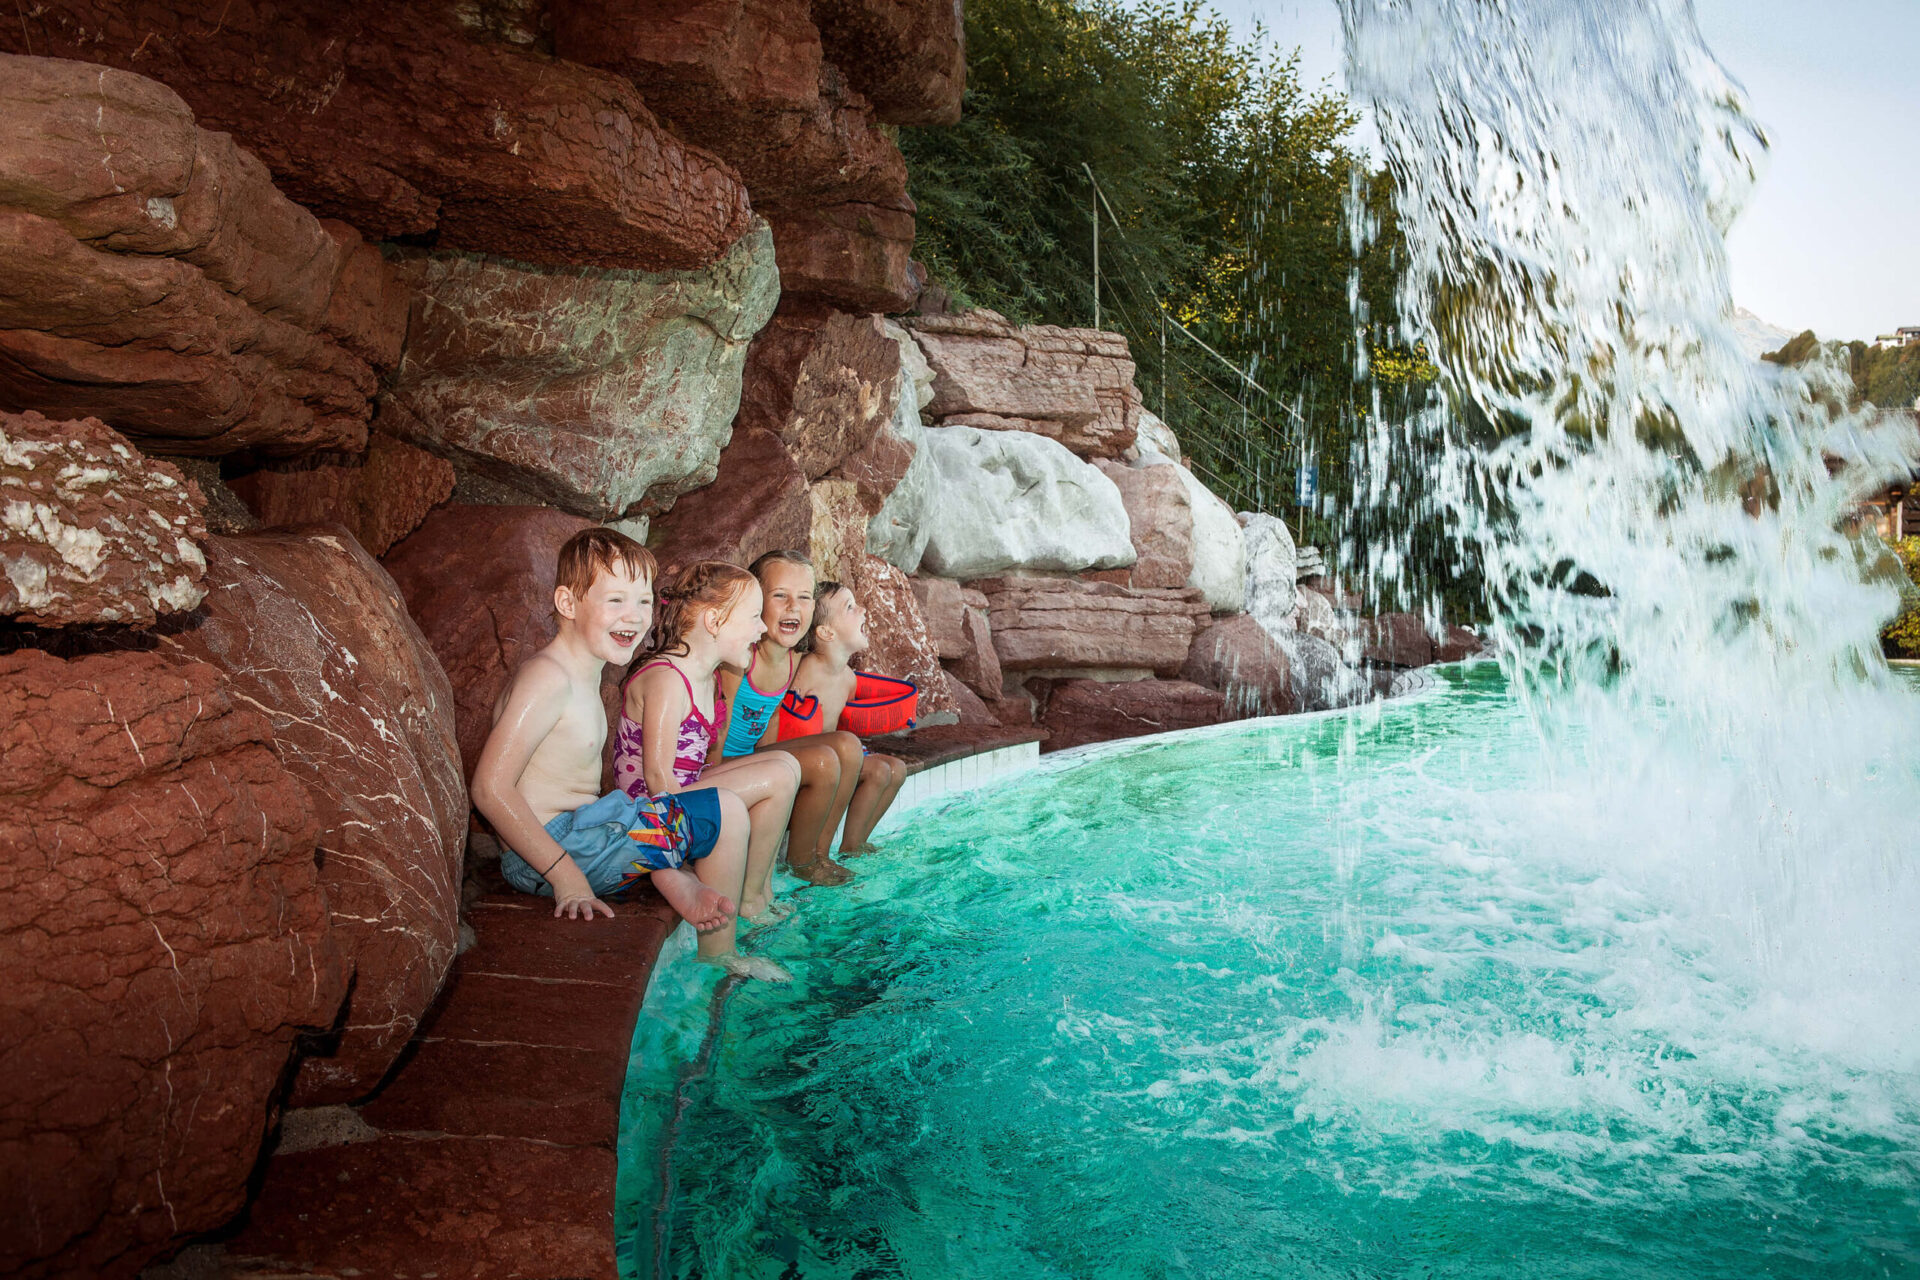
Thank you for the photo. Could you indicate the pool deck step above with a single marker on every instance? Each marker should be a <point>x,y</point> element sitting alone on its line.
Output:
<point>490,1151</point>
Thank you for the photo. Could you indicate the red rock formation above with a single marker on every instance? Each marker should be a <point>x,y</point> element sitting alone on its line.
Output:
<point>1239,659</point>
<point>746,79</point>
<point>760,503</point>
<point>1052,624</point>
<point>1071,385</point>
<point>167,287</point>
<point>1457,645</point>
<point>901,646</point>
<point>1396,640</point>
<point>607,393</point>
<point>406,120</point>
<point>837,538</point>
<point>978,665</point>
<point>93,531</point>
<point>944,606</point>
<point>907,56</point>
<point>858,256</point>
<point>380,496</point>
<point>311,630</point>
<point>479,583</point>
<point>825,383</point>
<point>163,937</point>
<point>1083,711</point>
<point>1160,521</point>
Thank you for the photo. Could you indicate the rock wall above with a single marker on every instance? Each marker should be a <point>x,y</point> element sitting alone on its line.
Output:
<point>163,938</point>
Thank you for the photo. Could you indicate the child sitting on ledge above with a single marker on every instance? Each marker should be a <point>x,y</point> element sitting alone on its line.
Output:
<point>840,632</point>
<point>674,713</point>
<point>829,762</point>
<point>538,779</point>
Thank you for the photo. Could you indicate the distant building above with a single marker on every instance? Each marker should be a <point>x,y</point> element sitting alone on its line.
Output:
<point>1900,337</point>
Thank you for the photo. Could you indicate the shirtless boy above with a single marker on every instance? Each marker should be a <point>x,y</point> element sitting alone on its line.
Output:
<point>538,780</point>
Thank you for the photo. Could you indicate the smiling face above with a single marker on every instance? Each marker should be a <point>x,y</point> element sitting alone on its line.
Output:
<point>846,620</point>
<point>738,627</point>
<point>788,609</point>
<point>614,613</point>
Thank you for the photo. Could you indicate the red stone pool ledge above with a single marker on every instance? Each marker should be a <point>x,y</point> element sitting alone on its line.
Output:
<point>490,1152</point>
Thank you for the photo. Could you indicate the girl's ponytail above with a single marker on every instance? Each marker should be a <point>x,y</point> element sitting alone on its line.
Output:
<point>683,596</point>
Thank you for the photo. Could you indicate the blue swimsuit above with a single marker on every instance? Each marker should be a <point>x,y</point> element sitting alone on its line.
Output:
<point>752,710</point>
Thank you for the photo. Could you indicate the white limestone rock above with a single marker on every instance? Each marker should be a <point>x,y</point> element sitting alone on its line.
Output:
<point>1155,436</point>
<point>898,531</point>
<point>1006,501</point>
<point>1270,570</point>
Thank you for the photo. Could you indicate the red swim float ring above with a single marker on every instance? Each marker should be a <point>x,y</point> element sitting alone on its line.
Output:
<point>880,704</point>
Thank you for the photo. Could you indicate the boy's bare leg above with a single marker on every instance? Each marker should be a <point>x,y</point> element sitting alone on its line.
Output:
<point>767,783</point>
<point>723,871</point>
<point>880,781</point>
<point>828,778</point>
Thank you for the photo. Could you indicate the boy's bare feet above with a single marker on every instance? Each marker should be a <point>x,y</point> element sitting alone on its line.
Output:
<point>823,871</point>
<point>772,913</point>
<point>748,967</point>
<point>702,907</point>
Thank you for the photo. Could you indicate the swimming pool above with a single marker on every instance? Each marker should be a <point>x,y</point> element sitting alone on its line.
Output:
<point>1368,994</point>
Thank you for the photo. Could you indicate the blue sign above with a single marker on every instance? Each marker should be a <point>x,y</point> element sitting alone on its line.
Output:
<point>1306,486</point>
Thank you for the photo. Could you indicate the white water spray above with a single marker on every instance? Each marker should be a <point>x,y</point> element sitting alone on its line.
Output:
<point>1664,524</point>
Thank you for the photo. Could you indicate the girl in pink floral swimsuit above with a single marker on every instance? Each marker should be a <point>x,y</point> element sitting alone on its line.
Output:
<point>709,613</point>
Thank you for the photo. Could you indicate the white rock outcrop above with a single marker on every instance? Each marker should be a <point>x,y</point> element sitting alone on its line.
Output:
<point>1270,593</point>
<point>898,531</point>
<point>1155,436</point>
<point>1005,501</point>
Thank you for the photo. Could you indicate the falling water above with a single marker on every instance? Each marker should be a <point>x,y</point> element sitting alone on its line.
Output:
<point>1663,522</point>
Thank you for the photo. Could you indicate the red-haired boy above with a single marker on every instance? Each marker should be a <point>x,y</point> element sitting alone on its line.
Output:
<point>538,780</point>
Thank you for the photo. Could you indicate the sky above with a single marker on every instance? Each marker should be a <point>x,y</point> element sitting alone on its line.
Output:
<point>1831,238</point>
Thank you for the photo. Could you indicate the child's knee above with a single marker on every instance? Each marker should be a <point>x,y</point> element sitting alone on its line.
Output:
<point>847,747</point>
<point>733,814</point>
<point>821,765</point>
<point>791,774</point>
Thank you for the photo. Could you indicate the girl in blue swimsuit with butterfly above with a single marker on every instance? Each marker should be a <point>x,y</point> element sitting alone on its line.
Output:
<point>829,762</point>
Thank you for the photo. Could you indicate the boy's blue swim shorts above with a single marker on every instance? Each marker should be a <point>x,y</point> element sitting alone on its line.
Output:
<point>617,839</point>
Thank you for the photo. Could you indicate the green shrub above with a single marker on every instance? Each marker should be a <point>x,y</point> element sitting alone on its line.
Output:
<point>1901,637</point>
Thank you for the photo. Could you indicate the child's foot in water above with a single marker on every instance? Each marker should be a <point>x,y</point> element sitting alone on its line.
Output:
<point>854,851</point>
<point>773,912</point>
<point>823,871</point>
<point>748,967</point>
<point>705,908</point>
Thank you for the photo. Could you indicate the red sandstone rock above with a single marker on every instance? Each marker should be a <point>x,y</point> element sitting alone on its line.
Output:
<point>479,583</point>
<point>163,938</point>
<point>902,647</point>
<point>1071,385</point>
<point>759,503</point>
<point>1160,521</point>
<point>970,707</point>
<point>1238,658</point>
<point>1396,640</point>
<point>310,629</point>
<point>825,383</point>
<point>907,56</point>
<point>944,607</point>
<point>837,538</point>
<point>92,531</point>
<point>1458,645</point>
<point>167,287</point>
<point>380,497</point>
<point>856,256</point>
<point>978,665</point>
<point>608,393</point>
<point>408,120</point>
<point>1083,711</point>
<point>1061,624</point>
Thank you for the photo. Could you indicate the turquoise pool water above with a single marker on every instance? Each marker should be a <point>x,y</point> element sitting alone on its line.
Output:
<point>1375,994</point>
